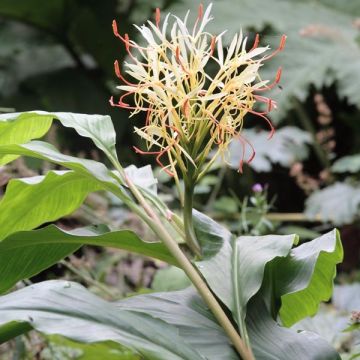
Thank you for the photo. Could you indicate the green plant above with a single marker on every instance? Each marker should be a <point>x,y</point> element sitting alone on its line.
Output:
<point>247,291</point>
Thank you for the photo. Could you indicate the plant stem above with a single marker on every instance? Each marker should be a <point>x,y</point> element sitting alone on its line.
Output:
<point>193,275</point>
<point>190,235</point>
<point>157,226</point>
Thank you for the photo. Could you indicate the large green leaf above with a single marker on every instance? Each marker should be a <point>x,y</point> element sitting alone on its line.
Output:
<point>338,203</point>
<point>99,128</point>
<point>171,328</point>
<point>235,273</point>
<point>270,341</point>
<point>23,128</point>
<point>30,202</point>
<point>305,277</point>
<point>186,310</point>
<point>89,168</point>
<point>238,268</point>
<point>26,253</point>
<point>321,46</point>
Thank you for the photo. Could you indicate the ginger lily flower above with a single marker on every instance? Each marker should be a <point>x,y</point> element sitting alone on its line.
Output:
<point>189,112</point>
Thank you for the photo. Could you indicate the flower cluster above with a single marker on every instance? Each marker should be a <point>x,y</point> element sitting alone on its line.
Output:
<point>191,113</point>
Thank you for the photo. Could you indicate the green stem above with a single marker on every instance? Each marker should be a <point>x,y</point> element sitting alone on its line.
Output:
<point>157,226</point>
<point>193,275</point>
<point>190,235</point>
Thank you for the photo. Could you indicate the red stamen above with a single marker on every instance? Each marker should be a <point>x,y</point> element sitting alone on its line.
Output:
<point>244,141</point>
<point>124,105</point>
<point>186,108</point>
<point>270,102</point>
<point>200,11</point>
<point>157,17</point>
<point>177,57</point>
<point>119,75</point>
<point>158,157</point>
<point>274,83</point>
<point>272,129</point>
<point>147,121</point>
<point>212,45</point>
<point>256,42</point>
<point>241,164</point>
<point>280,48</point>
<point>115,29</point>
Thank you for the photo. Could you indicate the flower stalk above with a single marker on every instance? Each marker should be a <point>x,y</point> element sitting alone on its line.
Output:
<point>185,264</point>
<point>190,236</point>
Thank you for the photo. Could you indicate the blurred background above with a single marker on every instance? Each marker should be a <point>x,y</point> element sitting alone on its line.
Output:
<point>58,56</point>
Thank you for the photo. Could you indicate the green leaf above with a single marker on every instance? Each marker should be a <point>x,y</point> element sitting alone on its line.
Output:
<point>154,326</point>
<point>170,279</point>
<point>338,203</point>
<point>236,271</point>
<point>26,127</point>
<point>59,348</point>
<point>270,341</point>
<point>99,128</point>
<point>30,202</point>
<point>305,277</point>
<point>187,311</point>
<point>89,168</point>
<point>345,164</point>
<point>25,253</point>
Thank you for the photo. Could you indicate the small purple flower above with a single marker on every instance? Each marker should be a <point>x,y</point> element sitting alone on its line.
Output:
<point>257,188</point>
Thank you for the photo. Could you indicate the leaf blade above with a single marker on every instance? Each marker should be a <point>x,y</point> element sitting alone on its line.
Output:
<point>26,253</point>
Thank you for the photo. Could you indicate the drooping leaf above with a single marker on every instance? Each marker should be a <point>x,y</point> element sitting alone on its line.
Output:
<point>286,147</point>
<point>26,127</point>
<point>345,164</point>
<point>321,45</point>
<point>31,202</point>
<point>305,277</point>
<point>164,331</point>
<point>88,168</point>
<point>338,203</point>
<point>99,128</point>
<point>270,341</point>
<point>185,310</point>
<point>236,271</point>
<point>25,253</point>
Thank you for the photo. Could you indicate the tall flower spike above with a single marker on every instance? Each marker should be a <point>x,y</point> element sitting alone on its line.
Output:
<point>189,112</point>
